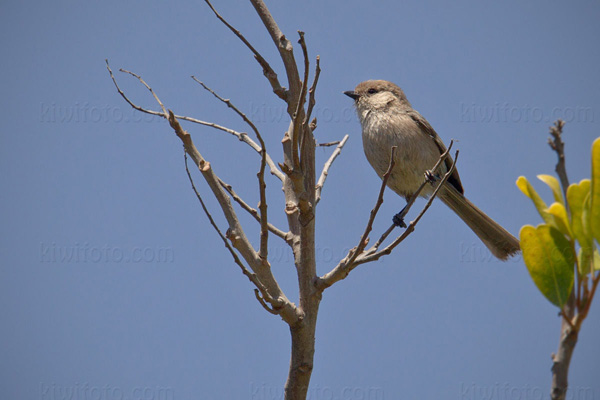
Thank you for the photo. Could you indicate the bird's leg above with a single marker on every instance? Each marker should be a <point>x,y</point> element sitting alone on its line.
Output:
<point>398,219</point>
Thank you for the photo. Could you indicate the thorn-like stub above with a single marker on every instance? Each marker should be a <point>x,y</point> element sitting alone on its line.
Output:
<point>204,166</point>
<point>291,208</point>
<point>231,235</point>
<point>286,169</point>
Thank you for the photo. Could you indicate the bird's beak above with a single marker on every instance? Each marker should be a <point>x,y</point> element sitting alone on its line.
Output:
<point>352,94</point>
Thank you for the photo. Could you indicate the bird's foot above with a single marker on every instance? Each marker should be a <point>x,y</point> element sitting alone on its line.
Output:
<point>431,177</point>
<point>398,219</point>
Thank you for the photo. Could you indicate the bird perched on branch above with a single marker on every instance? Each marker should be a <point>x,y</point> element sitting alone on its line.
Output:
<point>387,120</point>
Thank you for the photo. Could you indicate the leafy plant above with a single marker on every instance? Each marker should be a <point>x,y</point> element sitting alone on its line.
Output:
<point>560,253</point>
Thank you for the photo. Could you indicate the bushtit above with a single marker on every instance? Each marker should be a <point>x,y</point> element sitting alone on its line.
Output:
<point>387,120</point>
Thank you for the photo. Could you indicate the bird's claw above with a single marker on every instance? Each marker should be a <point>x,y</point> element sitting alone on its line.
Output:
<point>431,177</point>
<point>398,220</point>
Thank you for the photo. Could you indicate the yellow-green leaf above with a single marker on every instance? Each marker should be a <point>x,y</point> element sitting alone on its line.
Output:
<point>596,261</point>
<point>558,211</point>
<point>525,187</point>
<point>550,260</point>
<point>576,195</point>
<point>595,202</point>
<point>555,186</point>
<point>586,217</point>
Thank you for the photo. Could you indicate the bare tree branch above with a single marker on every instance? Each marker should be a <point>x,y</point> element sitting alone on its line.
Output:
<point>557,144</point>
<point>261,300</point>
<point>286,236</point>
<point>136,107</point>
<point>327,166</point>
<point>329,144</point>
<point>285,52</point>
<point>268,72</point>
<point>299,188</point>
<point>264,229</point>
<point>298,119</point>
<point>358,256</point>
<point>568,333</point>
<point>312,90</point>
<point>288,311</point>
<point>147,87</point>
<point>344,267</point>
<point>251,276</point>
<point>373,255</point>
<point>243,137</point>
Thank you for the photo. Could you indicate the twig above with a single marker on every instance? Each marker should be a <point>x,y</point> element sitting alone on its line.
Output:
<point>264,230</point>
<point>329,144</point>
<point>288,311</point>
<point>344,267</point>
<point>373,255</point>
<point>327,166</point>
<point>557,144</point>
<point>261,300</point>
<point>567,320</point>
<point>243,137</point>
<point>356,256</point>
<point>414,197</point>
<point>569,335</point>
<point>147,87</point>
<point>311,91</point>
<point>251,276</point>
<point>112,76</point>
<point>364,239</point>
<point>592,292</point>
<point>297,132</point>
<point>276,231</point>
<point>286,52</point>
<point>268,72</point>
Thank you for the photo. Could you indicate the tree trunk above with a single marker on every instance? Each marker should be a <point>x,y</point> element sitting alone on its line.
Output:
<point>303,351</point>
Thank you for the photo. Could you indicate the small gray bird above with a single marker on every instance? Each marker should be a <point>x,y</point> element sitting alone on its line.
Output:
<point>387,120</point>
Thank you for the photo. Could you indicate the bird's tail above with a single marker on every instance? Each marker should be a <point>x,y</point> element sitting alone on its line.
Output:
<point>501,243</point>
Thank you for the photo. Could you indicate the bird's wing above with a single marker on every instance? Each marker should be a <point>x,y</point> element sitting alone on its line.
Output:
<point>454,179</point>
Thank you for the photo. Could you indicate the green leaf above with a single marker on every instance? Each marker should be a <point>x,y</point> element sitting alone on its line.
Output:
<point>558,211</point>
<point>525,187</point>
<point>550,259</point>
<point>586,217</point>
<point>555,186</point>
<point>596,260</point>
<point>595,201</point>
<point>576,195</point>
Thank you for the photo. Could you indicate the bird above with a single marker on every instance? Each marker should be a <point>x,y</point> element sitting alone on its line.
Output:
<point>388,119</point>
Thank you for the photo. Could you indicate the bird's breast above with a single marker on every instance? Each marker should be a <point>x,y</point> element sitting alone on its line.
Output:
<point>416,152</point>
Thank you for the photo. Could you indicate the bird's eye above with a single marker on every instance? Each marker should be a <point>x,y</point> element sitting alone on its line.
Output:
<point>372,91</point>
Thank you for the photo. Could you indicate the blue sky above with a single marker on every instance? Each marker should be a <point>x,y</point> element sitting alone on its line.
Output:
<point>113,281</point>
